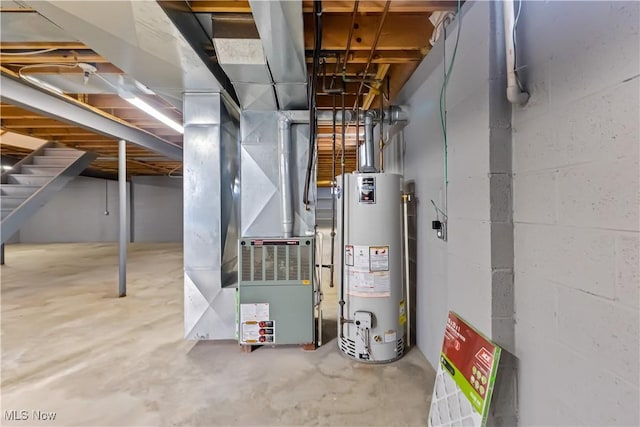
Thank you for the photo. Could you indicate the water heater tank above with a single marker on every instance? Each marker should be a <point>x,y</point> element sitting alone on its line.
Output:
<point>374,316</point>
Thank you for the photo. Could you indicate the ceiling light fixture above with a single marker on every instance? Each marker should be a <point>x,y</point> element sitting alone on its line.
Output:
<point>7,167</point>
<point>43,84</point>
<point>139,103</point>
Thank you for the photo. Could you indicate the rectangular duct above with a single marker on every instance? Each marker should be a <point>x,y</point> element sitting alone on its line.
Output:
<point>261,189</point>
<point>263,54</point>
<point>210,217</point>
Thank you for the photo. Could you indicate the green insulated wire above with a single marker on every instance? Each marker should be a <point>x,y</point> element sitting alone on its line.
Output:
<point>443,93</point>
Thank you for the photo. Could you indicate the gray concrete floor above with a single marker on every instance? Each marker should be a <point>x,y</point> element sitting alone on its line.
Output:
<point>71,347</point>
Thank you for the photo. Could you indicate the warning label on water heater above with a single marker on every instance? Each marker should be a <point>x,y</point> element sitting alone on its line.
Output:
<point>368,284</point>
<point>379,258</point>
<point>367,271</point>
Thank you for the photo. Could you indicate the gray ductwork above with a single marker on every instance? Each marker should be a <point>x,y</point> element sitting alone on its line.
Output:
<point>240,54</point>
<point>263,55</point>
<point>284,154</point>
<point>281,30</point>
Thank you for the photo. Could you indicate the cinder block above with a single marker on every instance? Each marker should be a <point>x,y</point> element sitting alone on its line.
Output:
<point>628,269</point>
<point>500,152</point>
<point>575,257</point>
<point>534,146</point>
<point>535,197</point>
<point>591,390</point>
<point>469,292</point>
<point>502,287</point>
<point>470,241</point>
<point>603,195</point>
<point>468,136</point>
<point>469,198</point>
<point>539,403</point>
<point>503,332</point>
<point>501,245</point>
<point>605,332</point>
<point>537,83</point>
<point>501,205</point>
<point>600,127</point>
<point>536,303</point>
<point>580,67</point>
<point>504,402</point>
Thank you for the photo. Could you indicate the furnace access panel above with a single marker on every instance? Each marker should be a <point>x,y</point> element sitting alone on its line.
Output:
<point>275,291</point>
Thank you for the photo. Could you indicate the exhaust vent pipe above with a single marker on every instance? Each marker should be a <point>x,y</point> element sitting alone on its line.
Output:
<point>367,157</point>
<point>284,151</point>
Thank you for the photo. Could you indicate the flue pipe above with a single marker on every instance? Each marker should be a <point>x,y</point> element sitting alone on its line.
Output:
<point>514,94</point>
<point>284,148</point>
<point>367,164</point>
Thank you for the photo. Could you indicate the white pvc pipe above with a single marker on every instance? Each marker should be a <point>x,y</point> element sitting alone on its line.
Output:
<point>407,300</point>
<point>514,94</point>
<point>286,202</point>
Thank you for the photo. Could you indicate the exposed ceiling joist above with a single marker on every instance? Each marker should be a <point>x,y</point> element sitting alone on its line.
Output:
<point>32,99</point>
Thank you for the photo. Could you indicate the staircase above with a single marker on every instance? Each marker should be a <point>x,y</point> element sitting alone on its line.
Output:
<point>33,181</point>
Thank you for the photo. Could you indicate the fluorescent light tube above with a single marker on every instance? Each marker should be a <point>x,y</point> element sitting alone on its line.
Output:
<point>43,84</point>
<point>139,103</point>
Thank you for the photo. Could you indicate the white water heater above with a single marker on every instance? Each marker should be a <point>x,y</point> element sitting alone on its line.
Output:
<point>373,316</point>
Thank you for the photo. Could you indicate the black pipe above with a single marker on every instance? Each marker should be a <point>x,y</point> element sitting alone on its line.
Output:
<point>343,193</point>
<point>333,191</point>
<point>317,19</point>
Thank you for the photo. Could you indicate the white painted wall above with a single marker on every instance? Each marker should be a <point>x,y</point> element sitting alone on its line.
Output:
<point>76,213</point>
<point>453,275</point>
<point>573,155</point>
<point>575,164</point>
<point>157,209</point>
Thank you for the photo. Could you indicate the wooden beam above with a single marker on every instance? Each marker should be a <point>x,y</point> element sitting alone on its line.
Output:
<point>63,57</point>
<point>219,6</point>
<point>375,87</point>
<point>382,57</point>
<point>377,6</point>
<point>41,45</point>
<point>400,31</point>
<point>328,6</point>
<point>104,68</point>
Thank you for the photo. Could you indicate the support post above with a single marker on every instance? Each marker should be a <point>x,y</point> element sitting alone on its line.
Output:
<point>122,187</point>
<point>2,254</point>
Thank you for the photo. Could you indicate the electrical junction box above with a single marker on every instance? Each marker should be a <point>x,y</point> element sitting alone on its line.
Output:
<point>276,291</point>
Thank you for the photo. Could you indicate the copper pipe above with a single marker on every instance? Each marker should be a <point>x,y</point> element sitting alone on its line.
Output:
<point>373,47</point>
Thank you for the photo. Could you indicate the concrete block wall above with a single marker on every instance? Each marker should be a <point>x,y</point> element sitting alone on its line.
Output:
<point>543,206</point>
<point>157,209</point>
<point>576,198</point>
<point>471,273</point>
<point>76,213</point>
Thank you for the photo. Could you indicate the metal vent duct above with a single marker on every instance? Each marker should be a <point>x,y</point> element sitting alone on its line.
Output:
<point>263,55</point>
<point>282,32</point>
<point>241,56</point>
